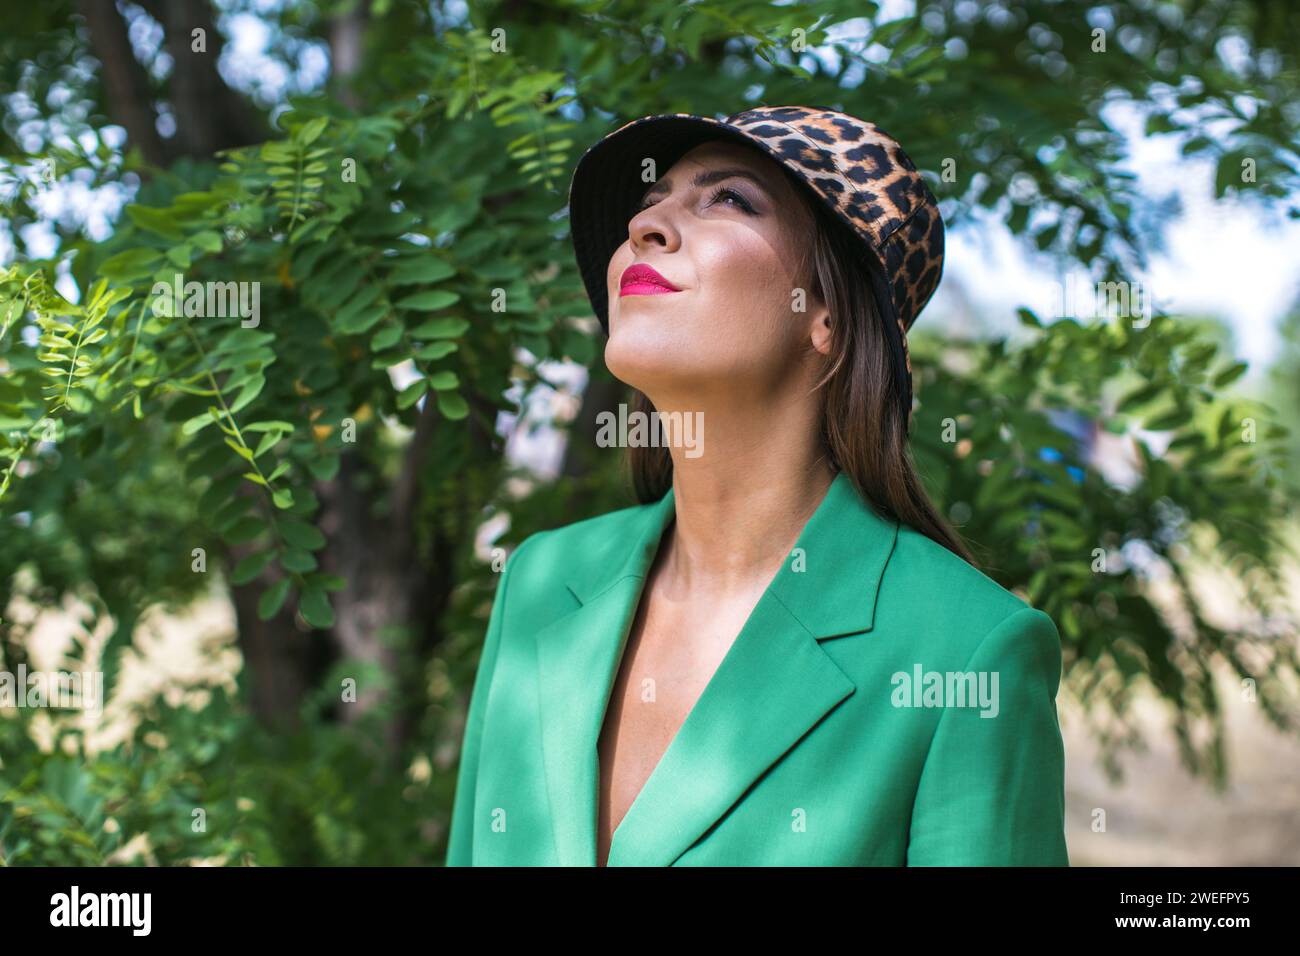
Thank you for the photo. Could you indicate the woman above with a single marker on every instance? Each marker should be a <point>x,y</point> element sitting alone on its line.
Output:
<point>783,656</point>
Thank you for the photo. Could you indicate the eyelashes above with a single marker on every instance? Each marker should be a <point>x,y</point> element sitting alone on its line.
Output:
<point>716,195</point>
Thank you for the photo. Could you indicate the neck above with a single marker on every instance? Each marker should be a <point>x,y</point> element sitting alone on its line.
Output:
<point>741,505</point>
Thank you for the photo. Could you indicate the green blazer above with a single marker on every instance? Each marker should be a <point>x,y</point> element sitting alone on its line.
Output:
<point>844,727</point>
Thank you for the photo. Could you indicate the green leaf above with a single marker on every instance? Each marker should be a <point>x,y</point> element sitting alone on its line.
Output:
<point>429,301</point>
<point>207,240</point>
<point>283,498</point>
<point>363,297</point>
<point>1188,440</point>
<point>386,337</point>
<point>1174,418</point>
<point>310,131</point>
<point>357,323</point>
<point>1140,396</point>
<point>1227,175</point>
<point>198,421</point>
<point>179,255</point>
<point>436,350</point>
<point>443,380</point>
<point>323,469</point>
<point>78,402</point>
<point>245,529</point>
<point>1227,423</point>
<point>269,441</point>
<point>1230,374</point>
<point>452,405</point>
<point>315,608</point>
<point>250,567</point>
<point>160,222</point>
<point>132,264</point>
<point>240,450</point>
<point>272,599</point>
<point>249,392</point>
<point>299,562</point>
<point>445,328</point>
<point>1160,123</point>
<point>427,268</point>
<point>299,534</point>
<point>221,494</point>
<point>229,512</point>
<point>411,394</point>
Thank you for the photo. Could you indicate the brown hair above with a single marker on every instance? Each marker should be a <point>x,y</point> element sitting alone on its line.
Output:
<point>864,426</point>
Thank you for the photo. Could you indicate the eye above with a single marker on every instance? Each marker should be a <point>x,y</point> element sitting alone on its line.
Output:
<point>717,195</point>
<point>740,200</point>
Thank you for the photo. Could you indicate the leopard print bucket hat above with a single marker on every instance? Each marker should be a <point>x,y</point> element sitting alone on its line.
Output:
<point>855,168</point>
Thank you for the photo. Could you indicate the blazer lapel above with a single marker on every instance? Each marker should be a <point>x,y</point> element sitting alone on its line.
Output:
<point>578,656</point>
<point>774,684</point>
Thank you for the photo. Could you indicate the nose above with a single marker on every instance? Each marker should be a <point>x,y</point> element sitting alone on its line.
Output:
<point>653,227</point>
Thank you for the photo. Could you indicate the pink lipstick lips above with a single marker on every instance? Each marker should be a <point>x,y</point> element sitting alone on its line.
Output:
<point>640,279</point>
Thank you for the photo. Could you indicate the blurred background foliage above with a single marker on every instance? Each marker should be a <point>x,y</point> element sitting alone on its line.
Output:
<point>403,211</point>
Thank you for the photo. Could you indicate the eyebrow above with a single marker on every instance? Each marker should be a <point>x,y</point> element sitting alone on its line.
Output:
<point>707,178</point>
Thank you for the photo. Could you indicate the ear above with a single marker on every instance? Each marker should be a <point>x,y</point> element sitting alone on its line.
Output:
<point>819,326</point>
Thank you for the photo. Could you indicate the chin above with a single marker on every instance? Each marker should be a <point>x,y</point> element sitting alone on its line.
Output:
<point>637,359</point>
<point>675,348</point>
<point>648,352</point>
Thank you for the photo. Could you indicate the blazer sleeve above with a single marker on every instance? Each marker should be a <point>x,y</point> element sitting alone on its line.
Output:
<point>992,790</point>
<point>460,842</point>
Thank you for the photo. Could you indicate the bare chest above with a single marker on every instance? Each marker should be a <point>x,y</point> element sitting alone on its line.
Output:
<point>672,652</point>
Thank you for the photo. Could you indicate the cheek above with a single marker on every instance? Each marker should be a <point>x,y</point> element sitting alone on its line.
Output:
<point>620,260</point>
<point>746,283</point>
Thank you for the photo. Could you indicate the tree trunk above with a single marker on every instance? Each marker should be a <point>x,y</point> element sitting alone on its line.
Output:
<point>372,610</point>
<point>389,614</point>
<point>126,86</point>
<point>210,116</point>
<point>601,394</point>
<point>347,34</point>
<point>283,658</point>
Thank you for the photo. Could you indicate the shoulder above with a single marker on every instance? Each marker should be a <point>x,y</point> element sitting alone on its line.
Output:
<point>956,599</point>
<point>604,532</point>
<point>926,569</point>
<point>596,542</point>
<point>552,572</point>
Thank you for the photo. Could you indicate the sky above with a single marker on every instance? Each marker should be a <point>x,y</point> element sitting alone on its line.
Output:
<point>1228,258</point>
<point>1225,258</point>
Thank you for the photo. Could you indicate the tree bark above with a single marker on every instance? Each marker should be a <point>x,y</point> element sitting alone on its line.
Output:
<point>347,34</point>
<point>601,394</point>
<point>126,85</point>
<point>209,115</point>
<point>389,614</point>
<point>283,659</point>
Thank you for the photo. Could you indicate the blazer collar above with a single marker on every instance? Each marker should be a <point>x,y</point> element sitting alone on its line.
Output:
<point>774,684</point>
